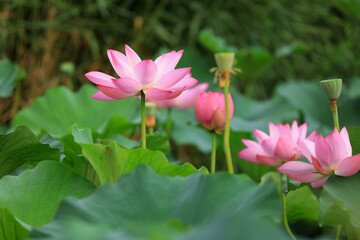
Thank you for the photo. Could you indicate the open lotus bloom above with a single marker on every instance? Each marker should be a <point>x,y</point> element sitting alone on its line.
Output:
<point>158,79</point>
<point>210,110</point>
<point>325,155</point>
<point>277,147</point>
<point>185,100</point>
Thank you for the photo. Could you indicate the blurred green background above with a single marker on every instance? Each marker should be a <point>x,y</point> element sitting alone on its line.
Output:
<point>276,41</point>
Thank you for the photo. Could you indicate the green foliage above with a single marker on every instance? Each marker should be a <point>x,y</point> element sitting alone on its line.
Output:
<point>9,75</point>
<point>34,195</point>
<point>339,201</point>
<point>110,161</point>
<point>10,228</point>
<point>143,204</point>
<point>302,204</point>
<point>59,109</point>
<point>22,146</point>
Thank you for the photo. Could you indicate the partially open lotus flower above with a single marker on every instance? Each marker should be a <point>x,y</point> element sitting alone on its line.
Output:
<point>185,100</point>
<point>277,147</point>
<point>158,79</point>
<point>332,154</point>
<point>210,110</point>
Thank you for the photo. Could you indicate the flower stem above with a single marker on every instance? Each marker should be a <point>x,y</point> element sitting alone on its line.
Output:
<point>285,217</point>
<point>349,231</point>
<point>227,129</point>
<point>335,114</point>
<point>143,125</point>
<point>169,122</point>
<point>213,152</point>
<point>338,234</point>
<point>151,130</point>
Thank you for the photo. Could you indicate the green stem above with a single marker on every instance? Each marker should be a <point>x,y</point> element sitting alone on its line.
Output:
<point>285,217</point>
<point>338,234</point>
<point>349,231</point>
<point>169,122</point>
<point>213,152</point>
<point>143,126</point>
<point>151,130</point>
<point>336,117</point>
<point>227,130</point>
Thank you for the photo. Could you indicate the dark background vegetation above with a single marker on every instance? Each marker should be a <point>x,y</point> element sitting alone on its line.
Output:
<point>40,36</point>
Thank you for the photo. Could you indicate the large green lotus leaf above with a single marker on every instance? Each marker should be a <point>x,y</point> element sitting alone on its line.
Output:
<point>81,165</point>
<point>8,74</point>
<point>22,146</point>
<point>253,62</point>
<point>10,228</point>
<point>143,204</point>
<point>59,109</point>
<point>302,204</point>
<point>35,194</point>
<point>340,201</point>
<point>111,161</point>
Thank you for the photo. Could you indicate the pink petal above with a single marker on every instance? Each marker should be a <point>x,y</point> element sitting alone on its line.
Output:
<point>349,166</point>
<point>145,72</point>
<point>323,152</point>
<point>169,79</point>
<point>319,183</point>
<point>251,144</point>
<point>295,131</point>
<point>312,136</point>
<point>300,171</point>
<point>269,145</point>
<point>273,131</point>
<point>249,154</point>
<point>337,146</point>
<point>167,62</point>
<point>302,130</point>
<point>345,136</point>
<point>100,78</point>
<point>307,148</point>
<point>132,57</point>
<point>187,81</point>
<point>101,96</point>
<point>260,135</point>
<point>319,168</point>
<point>114,93</point>
<point>188,97</point>
<point>127,85</point>
<point>205,106</point>
<point>268,160</point>
<point>159,94</point>
<point>119,63</point>
<point>284,150</point>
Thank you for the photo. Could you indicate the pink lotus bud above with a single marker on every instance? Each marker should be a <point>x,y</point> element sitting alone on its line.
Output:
<point>210,110</point>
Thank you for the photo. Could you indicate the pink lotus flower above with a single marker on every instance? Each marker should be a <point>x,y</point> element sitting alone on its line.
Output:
<point>278,147</point>
<point>185,100</point>
<point>326,155</point>
<point>158,79</point>
<point>210,110</point>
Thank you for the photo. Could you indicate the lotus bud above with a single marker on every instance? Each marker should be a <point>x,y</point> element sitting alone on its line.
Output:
<point>331,88</point>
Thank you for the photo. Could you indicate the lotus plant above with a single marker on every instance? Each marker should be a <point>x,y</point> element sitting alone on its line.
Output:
<point>332,154</point>
<point>281,145</point>
<point>210,112</point>
<point>157,79</point>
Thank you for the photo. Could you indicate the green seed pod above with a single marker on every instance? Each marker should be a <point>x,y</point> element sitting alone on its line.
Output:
<point>331,88</point>
<point>225,61</point>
